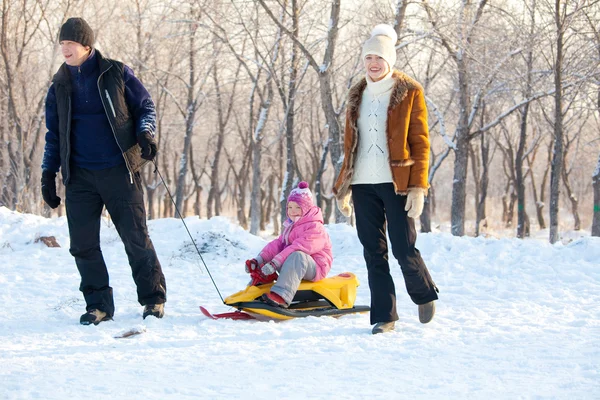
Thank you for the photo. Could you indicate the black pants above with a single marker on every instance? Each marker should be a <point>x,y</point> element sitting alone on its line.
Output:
<point>86,194</point>
<point>376,206</point>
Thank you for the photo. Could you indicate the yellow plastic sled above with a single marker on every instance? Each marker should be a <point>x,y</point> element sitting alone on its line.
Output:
<point>332,296</point>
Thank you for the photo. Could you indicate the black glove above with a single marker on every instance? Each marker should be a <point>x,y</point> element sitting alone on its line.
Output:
<point>49,189</point>
<point>148,145</point>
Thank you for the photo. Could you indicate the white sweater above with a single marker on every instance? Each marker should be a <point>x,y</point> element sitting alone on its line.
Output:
<point>372,159</point>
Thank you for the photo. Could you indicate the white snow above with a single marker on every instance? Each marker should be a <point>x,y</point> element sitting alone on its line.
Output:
<point>516,319</point>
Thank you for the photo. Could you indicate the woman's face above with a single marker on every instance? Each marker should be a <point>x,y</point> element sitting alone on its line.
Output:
<point>74,53</point>
<point>376,67</point>
<point>294,211</point>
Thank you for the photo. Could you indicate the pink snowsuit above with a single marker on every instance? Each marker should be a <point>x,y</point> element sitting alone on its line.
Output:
<point>307,235</point>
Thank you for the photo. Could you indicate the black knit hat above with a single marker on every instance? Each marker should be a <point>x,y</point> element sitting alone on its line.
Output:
<point>77,30</point>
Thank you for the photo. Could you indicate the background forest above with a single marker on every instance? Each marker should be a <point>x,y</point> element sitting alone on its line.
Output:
<point>251,98</point>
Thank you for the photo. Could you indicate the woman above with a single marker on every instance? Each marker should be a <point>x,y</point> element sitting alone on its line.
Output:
<point>385,172</point>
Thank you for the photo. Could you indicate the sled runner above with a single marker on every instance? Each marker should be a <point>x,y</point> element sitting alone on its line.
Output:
<point>332,296</point>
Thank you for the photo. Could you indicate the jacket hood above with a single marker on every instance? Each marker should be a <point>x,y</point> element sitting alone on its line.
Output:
<point>313,214</point>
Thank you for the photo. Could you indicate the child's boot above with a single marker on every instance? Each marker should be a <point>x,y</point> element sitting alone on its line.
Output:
<point>274,299</point>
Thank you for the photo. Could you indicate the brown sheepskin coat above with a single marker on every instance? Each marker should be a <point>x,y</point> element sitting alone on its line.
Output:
<point>407,138</point>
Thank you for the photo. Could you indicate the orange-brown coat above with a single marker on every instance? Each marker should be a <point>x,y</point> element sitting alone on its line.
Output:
<point>407,138</point>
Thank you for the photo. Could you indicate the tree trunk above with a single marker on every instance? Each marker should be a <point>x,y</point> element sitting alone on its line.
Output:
<point>425,218</point>
<point>573,199</point>
<point>475,167</point>
<point>319,178</point>
<point>399,16</point>
<point>539,204</point>
<point>557,156</point>
<point>198,201</point>
<point>481,216</point>
<point>270,200</point>
<point>334,130</point>
<point>214,194</point>
<point>522,220</point>
<point>264,200</point>
<point>255,208</point>
<point>461,156</point>
<point>288,177</point>
<point>596,186</point>
<point>255,198</point>
<point>189,122</point>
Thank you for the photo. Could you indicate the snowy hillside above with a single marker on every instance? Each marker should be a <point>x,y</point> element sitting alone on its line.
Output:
<point>516,319</point>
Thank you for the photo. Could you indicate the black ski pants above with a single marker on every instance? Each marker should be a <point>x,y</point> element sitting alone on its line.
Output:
<point>378,205</point>
<point>87,192</point>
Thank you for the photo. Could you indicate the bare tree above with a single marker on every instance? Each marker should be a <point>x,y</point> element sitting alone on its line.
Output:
<point>564,15</point>
<point>194,97</point>
<point>461,49</point>
<point>595,38</point>
<point>20,28</point>
<point>214,196</point>
<point>289,103</point>
<point>560,19</point>
<point>481,173</point>
<point>522,219</point>
<point>325,73</point>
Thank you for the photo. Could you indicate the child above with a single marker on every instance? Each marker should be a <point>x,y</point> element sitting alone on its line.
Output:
<point>302,251</point>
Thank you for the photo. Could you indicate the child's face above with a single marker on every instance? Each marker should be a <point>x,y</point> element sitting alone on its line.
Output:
<point>294,210</point>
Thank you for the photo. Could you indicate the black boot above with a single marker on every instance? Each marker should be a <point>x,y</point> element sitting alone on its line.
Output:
<point>94,317</point>
<point>156,310</point>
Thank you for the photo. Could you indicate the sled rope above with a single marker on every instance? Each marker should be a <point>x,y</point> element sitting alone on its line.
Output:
<point>186,228</point>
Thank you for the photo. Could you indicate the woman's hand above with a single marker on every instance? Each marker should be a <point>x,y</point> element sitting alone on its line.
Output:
<point>415,200</point>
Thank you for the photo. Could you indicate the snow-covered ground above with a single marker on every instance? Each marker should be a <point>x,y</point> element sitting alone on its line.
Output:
<point>517,319</point>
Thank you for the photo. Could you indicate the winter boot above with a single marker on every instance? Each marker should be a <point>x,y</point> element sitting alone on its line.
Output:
<point>156,310</point>
<point>274,299</point>
<point>426,312</point>
<point>383,327</point>
<point>93,317</point>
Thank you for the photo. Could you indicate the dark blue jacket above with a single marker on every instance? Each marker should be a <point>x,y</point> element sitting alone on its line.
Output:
<point>93,114</point>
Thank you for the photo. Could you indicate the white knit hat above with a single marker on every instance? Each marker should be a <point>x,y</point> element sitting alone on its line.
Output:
<point>382,43</point>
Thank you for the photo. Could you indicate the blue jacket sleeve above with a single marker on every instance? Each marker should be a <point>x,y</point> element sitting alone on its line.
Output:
<point>51,160</point>
<point>140,103</point>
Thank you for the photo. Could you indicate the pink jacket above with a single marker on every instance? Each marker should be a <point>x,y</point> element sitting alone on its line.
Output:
<point>308,235</point>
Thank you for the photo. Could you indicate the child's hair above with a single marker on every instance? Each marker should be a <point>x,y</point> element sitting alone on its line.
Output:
<point>302,196</point>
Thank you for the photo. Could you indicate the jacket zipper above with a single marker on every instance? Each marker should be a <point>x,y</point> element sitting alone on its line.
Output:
<point>69,141</point>
<point>110,103</point>
<point>111,124</point>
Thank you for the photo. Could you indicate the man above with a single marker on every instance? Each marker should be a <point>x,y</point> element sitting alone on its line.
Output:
<point>101,121</point>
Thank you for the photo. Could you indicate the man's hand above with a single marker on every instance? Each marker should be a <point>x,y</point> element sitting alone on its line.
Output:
<point>49,189</point>
<point>148,145</point>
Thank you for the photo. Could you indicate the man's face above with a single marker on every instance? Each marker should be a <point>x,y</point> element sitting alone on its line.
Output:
<point>74,53</point>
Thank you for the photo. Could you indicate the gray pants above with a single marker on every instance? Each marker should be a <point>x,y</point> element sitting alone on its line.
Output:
<point>296,267</point>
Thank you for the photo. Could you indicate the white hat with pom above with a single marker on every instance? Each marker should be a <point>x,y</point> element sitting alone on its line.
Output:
<point>382,43</point>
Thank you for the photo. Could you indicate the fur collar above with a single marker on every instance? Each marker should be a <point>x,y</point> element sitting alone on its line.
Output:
<point>402,84</point>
